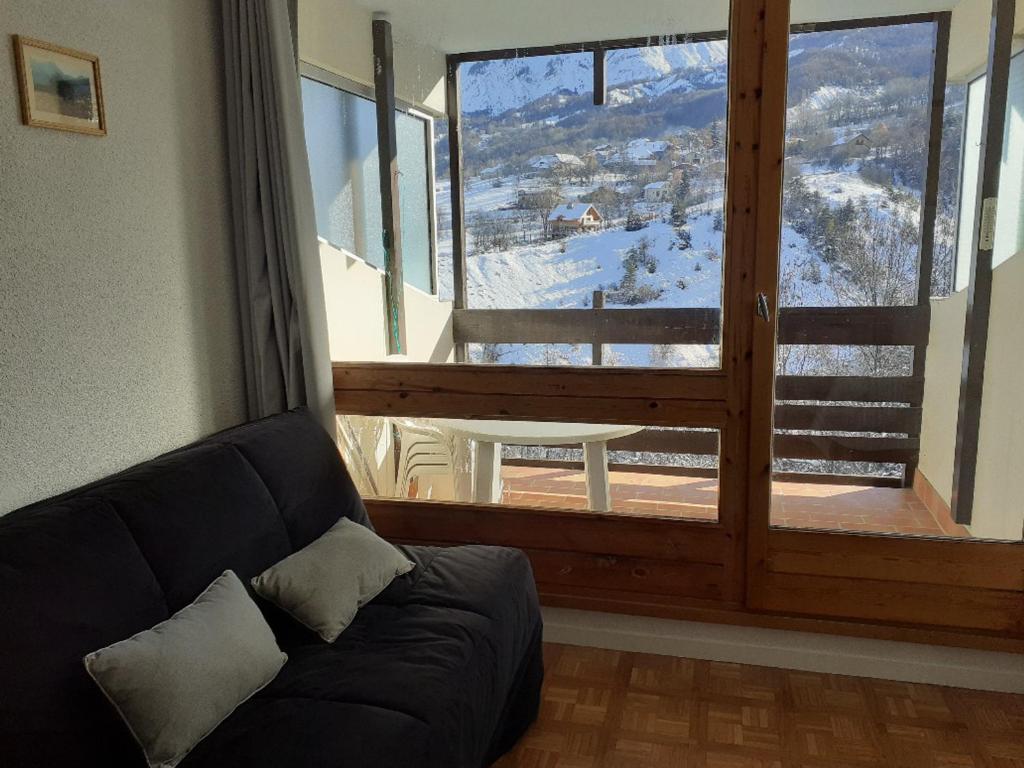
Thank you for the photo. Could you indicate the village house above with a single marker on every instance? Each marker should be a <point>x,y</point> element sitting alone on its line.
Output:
<point>657,192</point>
<point>568,218</point>
<point>554,161</point>
<point>850,145</point>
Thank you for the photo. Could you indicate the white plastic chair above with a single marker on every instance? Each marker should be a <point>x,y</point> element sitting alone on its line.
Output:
<point>425,451</point>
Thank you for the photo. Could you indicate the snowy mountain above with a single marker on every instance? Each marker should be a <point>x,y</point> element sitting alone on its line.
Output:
<point>528,79</point>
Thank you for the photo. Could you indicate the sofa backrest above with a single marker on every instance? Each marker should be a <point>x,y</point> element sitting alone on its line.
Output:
<point>98,564</point>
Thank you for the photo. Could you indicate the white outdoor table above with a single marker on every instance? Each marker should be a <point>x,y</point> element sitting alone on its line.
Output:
<point>487,437</point>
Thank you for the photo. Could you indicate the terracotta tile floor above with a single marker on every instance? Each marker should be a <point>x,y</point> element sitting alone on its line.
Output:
<point>612,709</point>
<point>794,505</point>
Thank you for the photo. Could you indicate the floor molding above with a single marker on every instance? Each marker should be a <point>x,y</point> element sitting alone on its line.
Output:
<point>858,657</point>
<point>937,506</point>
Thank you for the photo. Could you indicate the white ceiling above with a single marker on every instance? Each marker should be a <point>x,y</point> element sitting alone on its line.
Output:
<point>454,26</point>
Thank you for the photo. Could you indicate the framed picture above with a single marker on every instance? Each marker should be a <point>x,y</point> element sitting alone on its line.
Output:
<point>60,87</point>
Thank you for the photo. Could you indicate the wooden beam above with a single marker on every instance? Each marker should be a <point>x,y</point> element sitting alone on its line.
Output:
<point>561,530</point>
<point>597,345</point>
<point>868,326</point>
<point>534,393</point>
<point>586,326</point>
<point>453,106</point>
<point>896,601</point>
<point>387,150</point>
<point>918,560</point>
<point>848,418</point>
<point>881,450</point>
<point>929,208</point>
<point>600,77</point>
<point>979,289</point>
<point>758,59</point>
<point>864,389</point>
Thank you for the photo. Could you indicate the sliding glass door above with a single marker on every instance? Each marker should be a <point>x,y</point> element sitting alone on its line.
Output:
<point>892,280</point>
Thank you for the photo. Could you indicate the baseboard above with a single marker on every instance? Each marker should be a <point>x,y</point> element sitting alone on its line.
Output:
<point>937,506</point>
<point>858,657</point>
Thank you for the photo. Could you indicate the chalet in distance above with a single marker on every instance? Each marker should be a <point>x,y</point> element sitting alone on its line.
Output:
<point>570,218</point>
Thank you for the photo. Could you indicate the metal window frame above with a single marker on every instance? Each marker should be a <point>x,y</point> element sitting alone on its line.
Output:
<point>363,91</point>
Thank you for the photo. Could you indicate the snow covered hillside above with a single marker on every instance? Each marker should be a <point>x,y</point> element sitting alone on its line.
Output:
<point>528,79</point>
<point>652,163</point>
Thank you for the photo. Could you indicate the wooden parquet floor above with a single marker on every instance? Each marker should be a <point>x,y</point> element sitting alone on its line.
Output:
<point>611,709</point>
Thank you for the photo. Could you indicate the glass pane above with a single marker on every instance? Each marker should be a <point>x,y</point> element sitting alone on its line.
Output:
<point>868,383</point>
<point>341,140</point>
<point>848,408</point>
<point>570,205</point>
<point>969,183</point>
<point>1010,221</point>
<point>415,202</point>
<point>653,472</point>
<point>950,178</point>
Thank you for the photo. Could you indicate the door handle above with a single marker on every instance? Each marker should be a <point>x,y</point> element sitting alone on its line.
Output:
<point>763,311</point>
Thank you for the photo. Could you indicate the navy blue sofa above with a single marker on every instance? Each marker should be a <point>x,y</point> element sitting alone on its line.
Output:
<point>442,670</point>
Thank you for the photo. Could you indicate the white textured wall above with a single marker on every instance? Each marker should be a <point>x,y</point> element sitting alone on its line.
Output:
<point>335,35</point>
<point>118,330</point>
<point>999,493</point>
<point>998,511</point>
<point>942,391</point>
<point>969,34</point>
<point>356,321</point>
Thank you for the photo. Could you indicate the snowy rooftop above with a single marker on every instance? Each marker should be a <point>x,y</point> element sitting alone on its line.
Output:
<point>569,211</point>
<point>550,161</point>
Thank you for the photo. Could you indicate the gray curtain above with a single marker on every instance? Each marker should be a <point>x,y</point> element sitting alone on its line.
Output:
<point>280,286</point>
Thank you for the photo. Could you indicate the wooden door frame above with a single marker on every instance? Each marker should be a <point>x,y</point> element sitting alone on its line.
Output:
<point>964,586</point>
<point>689,569</point>
<point>718,398</point>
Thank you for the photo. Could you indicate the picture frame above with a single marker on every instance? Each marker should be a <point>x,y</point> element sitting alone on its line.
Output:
<point>60,87</point>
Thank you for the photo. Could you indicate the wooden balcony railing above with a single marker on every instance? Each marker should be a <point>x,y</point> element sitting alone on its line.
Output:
<point>872,419</point>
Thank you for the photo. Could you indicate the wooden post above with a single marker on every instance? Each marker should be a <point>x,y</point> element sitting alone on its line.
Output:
<point>979,290</point>
<point>758,58</point>
<point>929,208</point>
<point>387,151</point>
<point>453,106</point>
<point>597,348</point>
<point>600,78</point>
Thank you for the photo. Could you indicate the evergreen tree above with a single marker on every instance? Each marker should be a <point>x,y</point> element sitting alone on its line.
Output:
<point>634,222</point>
<point>679,215</point>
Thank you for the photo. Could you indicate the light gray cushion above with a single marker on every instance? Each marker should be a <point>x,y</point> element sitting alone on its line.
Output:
<point>326,582</point>
<point>173,684</point>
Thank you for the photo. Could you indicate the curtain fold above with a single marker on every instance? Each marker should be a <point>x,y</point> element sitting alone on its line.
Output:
<point>280,285</point>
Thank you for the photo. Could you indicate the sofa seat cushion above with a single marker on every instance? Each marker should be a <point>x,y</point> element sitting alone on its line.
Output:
<point>312,734</point>
<point>493,582</point>
<point>441,647</point>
